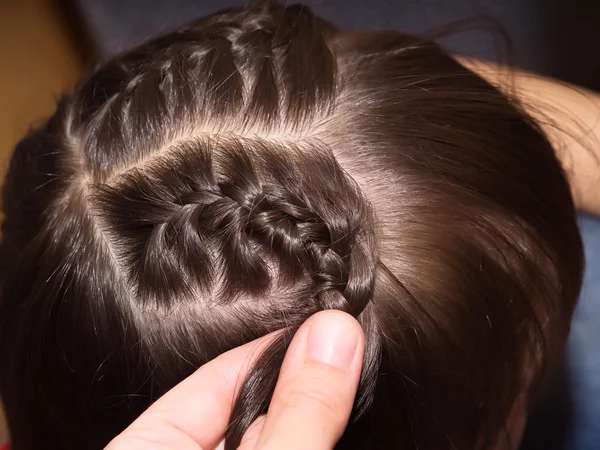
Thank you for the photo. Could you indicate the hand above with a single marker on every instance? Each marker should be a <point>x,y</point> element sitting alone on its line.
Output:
<point>310,408</point>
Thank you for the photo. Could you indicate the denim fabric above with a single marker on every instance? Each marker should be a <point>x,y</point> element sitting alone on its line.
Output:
<point>569,419</point>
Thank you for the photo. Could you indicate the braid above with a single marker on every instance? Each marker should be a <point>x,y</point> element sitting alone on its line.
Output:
<point>220,71</point>
<point>199,202</point>
<point>254,202</point>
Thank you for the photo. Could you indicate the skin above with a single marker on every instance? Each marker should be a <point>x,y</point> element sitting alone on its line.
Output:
<point>570,117</point>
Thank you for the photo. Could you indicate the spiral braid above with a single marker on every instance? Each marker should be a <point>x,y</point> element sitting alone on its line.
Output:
<point>253,206</point>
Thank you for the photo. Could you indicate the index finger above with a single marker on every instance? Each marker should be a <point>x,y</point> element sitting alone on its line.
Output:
<point>195,413</point>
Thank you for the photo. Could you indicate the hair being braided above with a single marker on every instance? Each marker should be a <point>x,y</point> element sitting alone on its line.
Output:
<point>220,182</point>
<point>203,202</point>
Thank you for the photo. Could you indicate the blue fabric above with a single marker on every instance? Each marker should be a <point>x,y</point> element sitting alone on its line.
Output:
<point>584,353</point>
<point>569,419</point>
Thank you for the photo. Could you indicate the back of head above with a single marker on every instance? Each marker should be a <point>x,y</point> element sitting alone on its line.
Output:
<point>257,166</point>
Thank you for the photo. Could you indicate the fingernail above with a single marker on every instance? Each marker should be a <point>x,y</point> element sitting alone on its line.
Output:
<point>332,339</point>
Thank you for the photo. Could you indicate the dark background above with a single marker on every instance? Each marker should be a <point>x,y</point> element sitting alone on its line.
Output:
<point>553,37</point>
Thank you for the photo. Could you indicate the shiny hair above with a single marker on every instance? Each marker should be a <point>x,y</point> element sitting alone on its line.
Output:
<point>252,168</point>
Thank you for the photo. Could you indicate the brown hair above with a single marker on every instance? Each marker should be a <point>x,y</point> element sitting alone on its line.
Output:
<point>252,168</point>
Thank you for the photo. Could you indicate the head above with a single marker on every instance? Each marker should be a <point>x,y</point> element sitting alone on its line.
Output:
<point>259,165</point>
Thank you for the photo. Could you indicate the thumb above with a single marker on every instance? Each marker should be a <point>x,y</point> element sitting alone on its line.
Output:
<point>315,392</point>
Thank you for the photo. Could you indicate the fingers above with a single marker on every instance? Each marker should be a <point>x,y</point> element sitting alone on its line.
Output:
<point>195,413</point>
<point>310,407</point>
<point>316,388</point>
